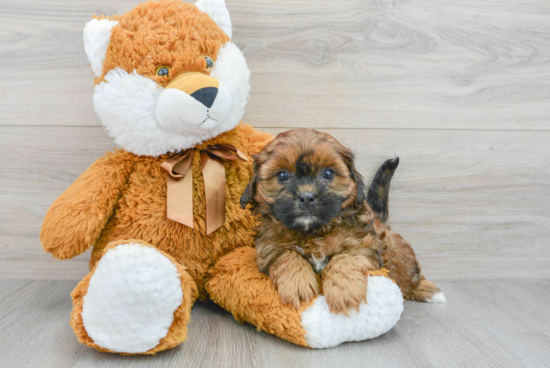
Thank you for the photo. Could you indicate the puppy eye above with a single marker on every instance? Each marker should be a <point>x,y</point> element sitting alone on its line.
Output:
<point>209,62</point>
<point>327,175</point>
<point>282,176</point>
<point>163,71</point>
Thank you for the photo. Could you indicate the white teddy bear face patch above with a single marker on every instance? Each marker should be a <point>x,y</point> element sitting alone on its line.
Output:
<point>188,99</point>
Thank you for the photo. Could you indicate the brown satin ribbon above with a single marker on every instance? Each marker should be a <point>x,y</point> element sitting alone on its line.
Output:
<point>180,184</point>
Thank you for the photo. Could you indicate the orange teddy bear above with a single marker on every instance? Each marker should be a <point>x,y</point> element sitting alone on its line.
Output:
<point>171,88</point>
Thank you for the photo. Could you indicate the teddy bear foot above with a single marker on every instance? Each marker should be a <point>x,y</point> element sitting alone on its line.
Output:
<point>374,318</point>
<point>238,286</point>
<point>137,300</point>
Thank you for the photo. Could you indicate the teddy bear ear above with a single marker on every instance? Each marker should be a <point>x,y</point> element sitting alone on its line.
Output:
<point>218,12</point>
<point>97,34</point>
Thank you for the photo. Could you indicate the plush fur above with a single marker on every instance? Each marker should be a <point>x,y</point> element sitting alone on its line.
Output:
<point>118,206</point>
<point>333,232</point>
<point>97,34</point>
<point>175,334</point>
<point>255,300</point>
<point>370,320</point>
<point>122,299</point>
<point>127,310</point>
<point>176,35</point>
<point>123,196</point>
<point>121,199</point>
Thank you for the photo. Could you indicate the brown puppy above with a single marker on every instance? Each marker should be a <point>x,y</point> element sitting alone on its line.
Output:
<point>318,218</point>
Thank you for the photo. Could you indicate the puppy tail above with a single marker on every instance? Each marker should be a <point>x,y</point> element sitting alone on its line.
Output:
<point>379,190</point>
<point>426,291</point>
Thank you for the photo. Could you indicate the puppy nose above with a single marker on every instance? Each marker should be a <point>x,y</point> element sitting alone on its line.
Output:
<point>206,96</point>
<point>306,199</point>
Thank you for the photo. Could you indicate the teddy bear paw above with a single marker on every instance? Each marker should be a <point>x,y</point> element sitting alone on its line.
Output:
<point>131,299</point>
<point>374,318</point>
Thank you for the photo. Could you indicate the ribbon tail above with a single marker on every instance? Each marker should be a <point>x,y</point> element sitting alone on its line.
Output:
<point>179,203</point>
<point>213,172</point>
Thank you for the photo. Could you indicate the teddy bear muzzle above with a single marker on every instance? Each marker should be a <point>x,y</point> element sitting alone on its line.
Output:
<point>193,103</point>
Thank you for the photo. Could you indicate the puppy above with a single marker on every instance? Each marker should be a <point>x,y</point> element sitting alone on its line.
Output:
<point>318,218</point>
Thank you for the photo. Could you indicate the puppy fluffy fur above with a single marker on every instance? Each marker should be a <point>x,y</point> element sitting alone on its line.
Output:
<point>317,218</point>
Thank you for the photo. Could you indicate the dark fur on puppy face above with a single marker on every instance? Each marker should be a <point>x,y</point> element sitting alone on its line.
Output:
<point>304,178</point>
<point>317,218</point>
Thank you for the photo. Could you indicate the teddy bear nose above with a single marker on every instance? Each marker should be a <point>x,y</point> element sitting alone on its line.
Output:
<point>206,95</point>
<point>201,87</point>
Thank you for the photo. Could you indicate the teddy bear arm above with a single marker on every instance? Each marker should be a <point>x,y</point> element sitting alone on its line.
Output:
<point>75,220</point>
<point>237,285</point>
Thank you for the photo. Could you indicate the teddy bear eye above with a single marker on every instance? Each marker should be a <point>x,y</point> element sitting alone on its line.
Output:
<point>282,176</point>
<point>163,71</point>
<point>327,174</point>
<point>209,62</point>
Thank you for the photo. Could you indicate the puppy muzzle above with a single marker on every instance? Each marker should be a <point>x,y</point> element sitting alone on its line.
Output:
<point>193,103</point>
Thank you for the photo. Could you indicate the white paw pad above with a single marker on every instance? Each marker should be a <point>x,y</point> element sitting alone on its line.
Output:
<point>381,312</point>
<point>131,299</point>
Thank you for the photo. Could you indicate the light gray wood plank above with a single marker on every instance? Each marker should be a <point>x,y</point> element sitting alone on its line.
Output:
<point>474,204</point>
<point>484,324</point>
<point>324,64</point>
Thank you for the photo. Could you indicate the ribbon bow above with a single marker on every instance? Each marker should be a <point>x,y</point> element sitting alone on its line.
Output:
<point>180,184</point>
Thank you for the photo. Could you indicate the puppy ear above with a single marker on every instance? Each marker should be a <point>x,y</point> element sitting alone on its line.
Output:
<point>349,159</point>
<point>249,191</point>
<point>361,196</point>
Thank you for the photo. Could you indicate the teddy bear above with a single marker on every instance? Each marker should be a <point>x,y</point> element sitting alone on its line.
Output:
<point>162,214</point>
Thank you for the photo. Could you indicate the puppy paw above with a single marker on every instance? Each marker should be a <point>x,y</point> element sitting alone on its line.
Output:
<point>294,280</point>
<point>298,289</point>
<point>345,290</point>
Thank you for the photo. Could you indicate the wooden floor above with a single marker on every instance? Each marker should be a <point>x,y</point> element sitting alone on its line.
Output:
<point>484,324</point>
